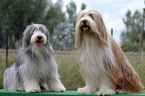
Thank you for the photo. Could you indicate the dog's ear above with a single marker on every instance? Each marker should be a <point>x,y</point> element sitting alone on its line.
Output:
<point>78,37</point>
<point>101,27</point>
<point>27,35</point>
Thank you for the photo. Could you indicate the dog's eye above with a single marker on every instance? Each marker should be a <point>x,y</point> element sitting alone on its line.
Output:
<point>91,16</point>
<point>41,30</point>
<point>32,31</point>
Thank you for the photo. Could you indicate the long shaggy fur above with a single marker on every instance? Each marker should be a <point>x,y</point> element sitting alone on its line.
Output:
<point>34,68</point>
<point>103,65</point>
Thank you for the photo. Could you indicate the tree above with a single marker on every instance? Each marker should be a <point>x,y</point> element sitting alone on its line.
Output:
<point>71,10</point>
<point>54,16</point>
<point>83,6</point>
<point>64,33</point>
<point>130,36</point>
<point>16,15</point>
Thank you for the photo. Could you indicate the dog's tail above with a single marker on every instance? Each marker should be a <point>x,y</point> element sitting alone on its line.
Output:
<point>9,77</point>
<point>125,78</point>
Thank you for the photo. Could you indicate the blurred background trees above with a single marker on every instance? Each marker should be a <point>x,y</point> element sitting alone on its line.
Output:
<point>17,14</point>
<point>130,36</point>
<point>64,32</point>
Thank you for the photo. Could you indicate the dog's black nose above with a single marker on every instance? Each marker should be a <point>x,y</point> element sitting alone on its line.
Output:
<point>84,21</point>
<point>39,37</point>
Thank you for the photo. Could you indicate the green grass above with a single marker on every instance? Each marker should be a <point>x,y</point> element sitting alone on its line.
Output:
<point>69,71</point>
<point>139,66</point>
<point>69,68</point>
<point>11,59</point>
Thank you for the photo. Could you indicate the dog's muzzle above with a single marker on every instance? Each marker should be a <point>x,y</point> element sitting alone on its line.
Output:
<point>84,25</point>
<point>39,41</point>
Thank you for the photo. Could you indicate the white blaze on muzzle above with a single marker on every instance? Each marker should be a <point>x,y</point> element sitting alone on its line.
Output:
<point>38,38</point>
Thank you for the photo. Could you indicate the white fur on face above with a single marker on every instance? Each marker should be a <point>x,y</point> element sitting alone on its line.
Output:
<point>38,33</point>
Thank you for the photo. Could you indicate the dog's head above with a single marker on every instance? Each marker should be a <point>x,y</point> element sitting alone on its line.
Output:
<point>90,22</point>
<point>35,35</point>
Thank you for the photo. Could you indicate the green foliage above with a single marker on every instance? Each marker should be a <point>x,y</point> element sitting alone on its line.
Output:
<point>63,38</point>
<point>71,9</point>
<point>54,16</point>
<point>83,6</point>
<point>17,14</point>
<point>130,47</point>
<point>130,36</point>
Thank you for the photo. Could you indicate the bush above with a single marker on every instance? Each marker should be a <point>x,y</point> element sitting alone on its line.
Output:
<point>131,47</point>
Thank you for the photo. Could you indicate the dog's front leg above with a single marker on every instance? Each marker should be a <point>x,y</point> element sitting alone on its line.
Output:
<point>31,85</point>
<point>88,89</point>
<point>106,87</point>
<point>54,84</point>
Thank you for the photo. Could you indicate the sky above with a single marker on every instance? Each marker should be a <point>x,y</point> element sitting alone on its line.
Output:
<point>112,11</point>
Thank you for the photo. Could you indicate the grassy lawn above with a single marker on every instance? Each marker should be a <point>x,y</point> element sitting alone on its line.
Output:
<point>69,68</point>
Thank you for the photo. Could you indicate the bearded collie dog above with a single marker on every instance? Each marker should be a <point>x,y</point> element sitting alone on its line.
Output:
<point>34,68</point>
<point>103,65</point>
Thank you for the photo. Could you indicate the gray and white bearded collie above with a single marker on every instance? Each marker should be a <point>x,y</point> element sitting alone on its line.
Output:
<point>103,65</point>
<point>34,67</point>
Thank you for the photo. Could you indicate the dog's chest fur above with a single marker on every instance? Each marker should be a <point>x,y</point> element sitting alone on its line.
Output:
<point>93,59</point>
<point>40,68</point>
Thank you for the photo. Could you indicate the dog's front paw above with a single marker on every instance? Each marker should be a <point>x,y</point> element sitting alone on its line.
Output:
<point>84,90</point>
<point>105,92</point>
<point>20,89</point>
<point>60,89</point>
<point>33,90</point>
